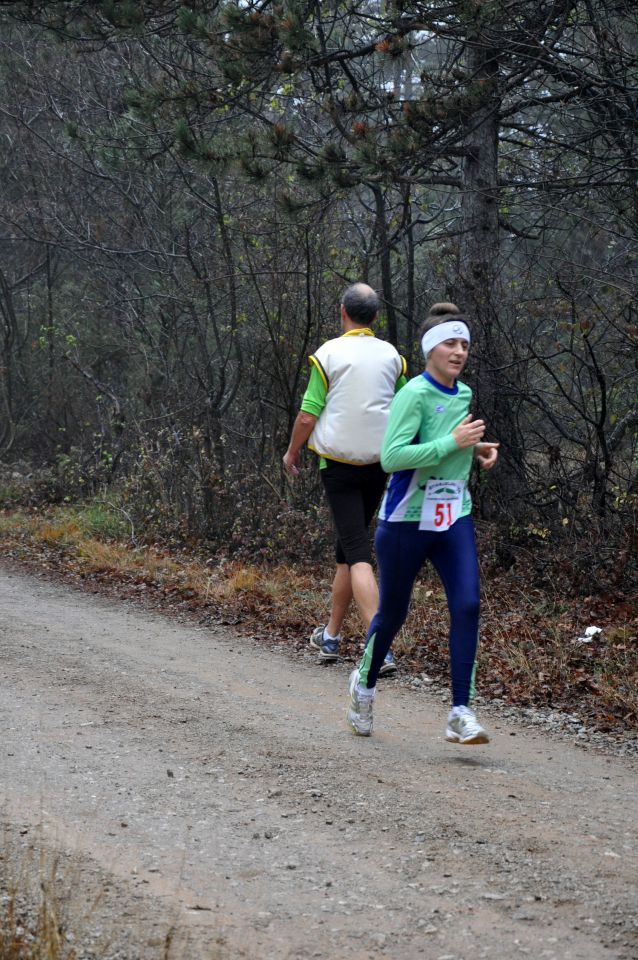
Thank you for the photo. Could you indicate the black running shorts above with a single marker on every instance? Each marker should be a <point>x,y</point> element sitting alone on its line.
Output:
<point>354,494</point>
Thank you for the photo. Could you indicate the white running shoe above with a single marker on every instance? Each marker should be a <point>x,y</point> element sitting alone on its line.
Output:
<point>463,727</point>
<point>359,713</point>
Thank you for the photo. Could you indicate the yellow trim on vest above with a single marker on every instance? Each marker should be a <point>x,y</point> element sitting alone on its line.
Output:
<point>322,373</point>
<point>359,332</point>
<point>337,460</point>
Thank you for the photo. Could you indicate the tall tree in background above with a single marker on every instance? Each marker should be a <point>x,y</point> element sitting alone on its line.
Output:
<point>234,165</point>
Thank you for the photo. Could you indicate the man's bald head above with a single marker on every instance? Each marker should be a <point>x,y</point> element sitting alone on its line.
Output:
<point>361,304</point>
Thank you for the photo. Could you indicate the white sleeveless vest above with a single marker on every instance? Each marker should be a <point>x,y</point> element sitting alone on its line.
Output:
<point>360,373</point>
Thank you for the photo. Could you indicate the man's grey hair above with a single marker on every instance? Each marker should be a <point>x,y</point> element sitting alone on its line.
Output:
<point>361,304</point>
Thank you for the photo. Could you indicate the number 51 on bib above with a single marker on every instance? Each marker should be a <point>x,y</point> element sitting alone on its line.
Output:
<point>442,504</point>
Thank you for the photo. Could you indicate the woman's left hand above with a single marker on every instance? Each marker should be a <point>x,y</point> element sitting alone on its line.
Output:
<point>486,454</point>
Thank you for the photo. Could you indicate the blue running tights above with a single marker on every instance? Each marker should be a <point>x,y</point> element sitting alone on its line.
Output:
<point>402,549</point>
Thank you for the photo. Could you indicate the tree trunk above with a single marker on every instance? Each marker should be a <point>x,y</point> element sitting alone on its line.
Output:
<point>478,291</point>
<point>386,265</point>
<point>8,334</point>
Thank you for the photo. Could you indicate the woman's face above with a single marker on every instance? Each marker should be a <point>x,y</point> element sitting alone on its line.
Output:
<point>447,360</point>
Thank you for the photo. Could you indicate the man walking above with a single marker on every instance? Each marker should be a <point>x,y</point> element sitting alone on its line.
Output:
<point>343,417</point>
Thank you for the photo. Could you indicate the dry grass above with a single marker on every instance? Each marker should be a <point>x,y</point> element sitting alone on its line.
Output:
<point>38,898</point>
<point>57,533</point>
<point>13,523</point>
<point>31,928</point>
<point>87,554</point>
<point>97,556</point>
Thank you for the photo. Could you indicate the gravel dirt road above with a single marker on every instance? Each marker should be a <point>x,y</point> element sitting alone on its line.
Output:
<point>187,780</point>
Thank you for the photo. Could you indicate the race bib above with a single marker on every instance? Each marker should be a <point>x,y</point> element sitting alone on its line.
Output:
<point>442,504</point>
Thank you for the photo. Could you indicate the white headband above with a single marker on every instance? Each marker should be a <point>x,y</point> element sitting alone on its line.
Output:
<point>450,330</point>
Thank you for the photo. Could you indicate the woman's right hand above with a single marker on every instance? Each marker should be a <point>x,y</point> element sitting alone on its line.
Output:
<point>469,432</point>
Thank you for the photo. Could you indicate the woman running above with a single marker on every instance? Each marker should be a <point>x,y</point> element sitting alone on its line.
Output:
<point>426,515</point>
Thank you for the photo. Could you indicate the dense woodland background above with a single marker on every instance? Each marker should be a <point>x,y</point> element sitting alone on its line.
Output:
<point>188,187</point>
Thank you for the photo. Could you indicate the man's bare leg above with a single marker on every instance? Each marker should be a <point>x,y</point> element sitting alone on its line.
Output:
<point>341,597</point>
<point>365,591</point>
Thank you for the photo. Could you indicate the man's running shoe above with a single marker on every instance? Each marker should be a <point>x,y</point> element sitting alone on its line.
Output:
<point>463,727</point>
<point>359,713</point>
<point>388,667</point>
<point>316,637</point>
<point>328,648</point>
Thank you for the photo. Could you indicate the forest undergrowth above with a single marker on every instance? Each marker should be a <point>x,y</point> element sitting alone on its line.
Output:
<point>535,649</point>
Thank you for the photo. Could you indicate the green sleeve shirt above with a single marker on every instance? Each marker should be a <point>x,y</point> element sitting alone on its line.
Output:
<point>418,446</point>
